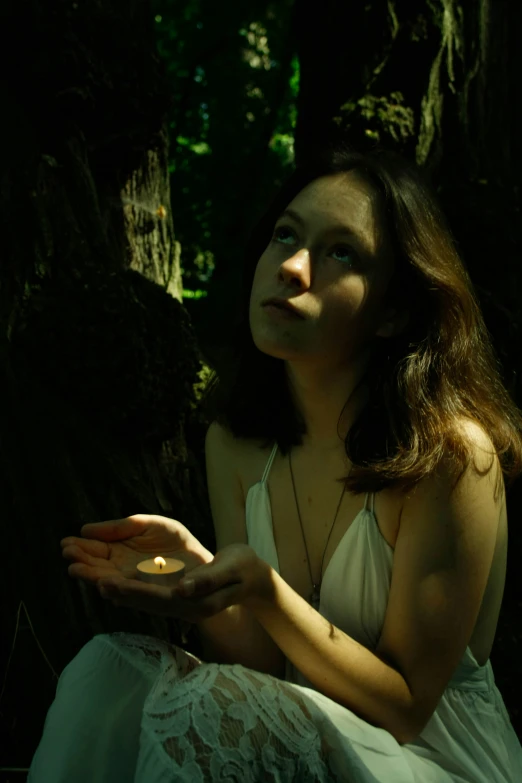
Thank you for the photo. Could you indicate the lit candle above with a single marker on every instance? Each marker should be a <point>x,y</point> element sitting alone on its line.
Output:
<point>161,571</point>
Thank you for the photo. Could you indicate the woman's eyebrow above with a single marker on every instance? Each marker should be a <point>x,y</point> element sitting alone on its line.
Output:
<point>293,215</point>
<point>340,228</point>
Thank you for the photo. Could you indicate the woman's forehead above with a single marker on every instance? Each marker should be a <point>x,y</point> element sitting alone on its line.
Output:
<point>340,194</point>
<point>344,200</point>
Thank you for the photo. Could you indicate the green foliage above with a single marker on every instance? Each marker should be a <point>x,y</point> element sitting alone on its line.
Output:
<point>198,294</point>
<point>234,83</point>
<point>384,117</point>
<point>294,79</point>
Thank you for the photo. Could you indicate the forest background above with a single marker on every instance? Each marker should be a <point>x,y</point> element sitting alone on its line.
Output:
<point>141,141</point>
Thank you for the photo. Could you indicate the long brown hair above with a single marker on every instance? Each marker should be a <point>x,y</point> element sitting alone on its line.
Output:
<point>441,368</point>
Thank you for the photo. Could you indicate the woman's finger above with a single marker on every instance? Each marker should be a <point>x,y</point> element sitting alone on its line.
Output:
<point>208,578</point>
<point>88,573</point>
<point>201,580</point>
<point>88,566</point>
<point>163,601</point>
<point>135,595</point>
<point>93,548</point>
<point>116,529</point>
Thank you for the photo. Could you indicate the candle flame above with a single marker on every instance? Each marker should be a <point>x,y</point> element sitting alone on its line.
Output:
<point>159,561</point>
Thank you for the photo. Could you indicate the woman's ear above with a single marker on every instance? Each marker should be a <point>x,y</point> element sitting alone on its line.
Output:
<point>394,323</point>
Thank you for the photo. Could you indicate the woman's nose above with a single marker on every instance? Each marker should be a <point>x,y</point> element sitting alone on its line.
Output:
<point>297,266</point>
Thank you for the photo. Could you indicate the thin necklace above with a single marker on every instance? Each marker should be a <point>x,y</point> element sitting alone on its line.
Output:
<point>315,596</point>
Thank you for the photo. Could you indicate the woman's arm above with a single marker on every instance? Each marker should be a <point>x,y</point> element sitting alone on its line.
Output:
<point>336,664</point>
<point>442,560</point>
<point>234,635</point>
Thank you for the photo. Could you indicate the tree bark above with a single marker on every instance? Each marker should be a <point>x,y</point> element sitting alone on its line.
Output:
<point>98,356</point>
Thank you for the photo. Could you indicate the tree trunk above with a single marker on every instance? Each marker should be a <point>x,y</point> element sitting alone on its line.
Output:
<point>438,80</point>
<point>98,355</point>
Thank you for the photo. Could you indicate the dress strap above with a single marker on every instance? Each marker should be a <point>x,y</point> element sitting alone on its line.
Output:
<point>366,501</point>
<point>269,463</point>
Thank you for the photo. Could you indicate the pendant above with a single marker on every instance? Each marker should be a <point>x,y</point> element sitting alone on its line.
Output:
<point>315,598</point>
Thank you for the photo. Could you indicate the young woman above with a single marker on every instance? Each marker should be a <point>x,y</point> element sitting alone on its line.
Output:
<point>355,463</point>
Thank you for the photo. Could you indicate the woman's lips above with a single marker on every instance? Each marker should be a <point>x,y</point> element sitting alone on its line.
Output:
<point>281,312</point>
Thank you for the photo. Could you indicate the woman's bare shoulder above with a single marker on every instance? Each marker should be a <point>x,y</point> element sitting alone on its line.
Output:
<point>248,454</point>
<point>241,444</point>
<point>478,441</point>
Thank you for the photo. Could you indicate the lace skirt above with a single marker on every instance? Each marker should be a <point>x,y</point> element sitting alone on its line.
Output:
<point>134,709</point>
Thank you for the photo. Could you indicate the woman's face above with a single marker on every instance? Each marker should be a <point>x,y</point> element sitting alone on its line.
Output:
<point>331,257</point>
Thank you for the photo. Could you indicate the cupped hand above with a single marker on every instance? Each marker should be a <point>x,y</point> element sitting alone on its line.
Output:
<point>236,575</point>
<point>113,549</point>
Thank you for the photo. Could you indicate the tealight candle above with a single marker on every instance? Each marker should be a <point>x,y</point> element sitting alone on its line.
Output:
<point>161,571</point>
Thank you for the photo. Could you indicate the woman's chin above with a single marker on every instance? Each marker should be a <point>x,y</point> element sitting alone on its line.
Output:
<point>273,349</point>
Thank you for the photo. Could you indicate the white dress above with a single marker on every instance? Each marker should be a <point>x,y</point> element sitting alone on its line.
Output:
<point>133,709</point>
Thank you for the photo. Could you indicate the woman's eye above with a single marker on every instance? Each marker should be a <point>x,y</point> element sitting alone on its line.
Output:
<point>282,234</point>
<point>347,252</point>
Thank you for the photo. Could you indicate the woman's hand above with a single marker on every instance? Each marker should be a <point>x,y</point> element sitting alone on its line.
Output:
<point>114,548</point>
<point>236,575</point>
